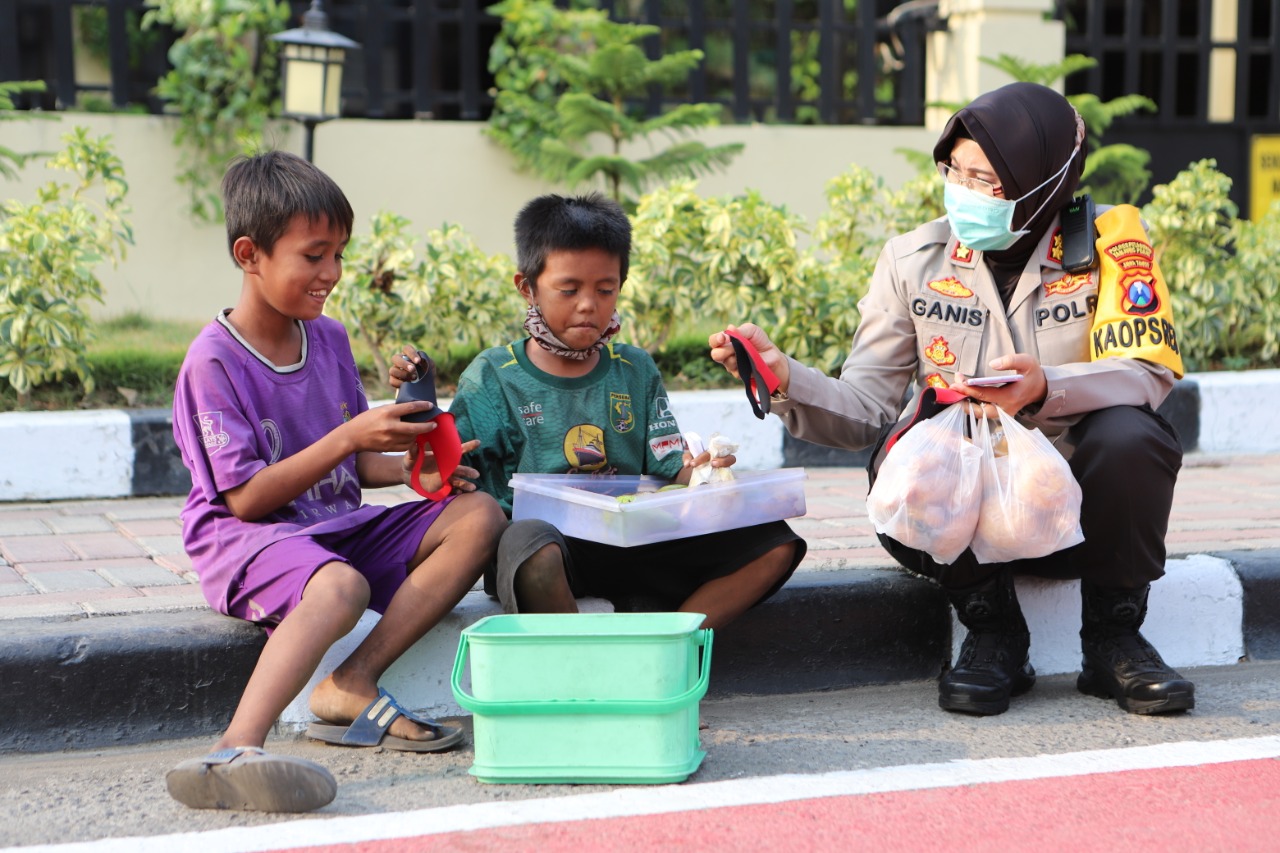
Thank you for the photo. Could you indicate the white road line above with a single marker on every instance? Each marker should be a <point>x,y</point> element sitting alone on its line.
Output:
<point>633,801</point>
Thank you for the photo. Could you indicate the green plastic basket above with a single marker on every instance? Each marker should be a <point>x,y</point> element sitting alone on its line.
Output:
<point>585,698</point>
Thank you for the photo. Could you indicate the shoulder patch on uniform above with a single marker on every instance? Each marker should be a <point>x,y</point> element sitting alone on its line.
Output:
<point>1054,253</point>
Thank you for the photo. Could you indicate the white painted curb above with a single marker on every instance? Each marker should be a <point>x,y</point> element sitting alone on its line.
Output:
<point>88,455</point>
<point>61,455</point>
<point>1195,617</point>
<point>1239,412</point>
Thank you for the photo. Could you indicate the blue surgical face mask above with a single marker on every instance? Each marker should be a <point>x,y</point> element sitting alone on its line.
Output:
<point>985,223</point>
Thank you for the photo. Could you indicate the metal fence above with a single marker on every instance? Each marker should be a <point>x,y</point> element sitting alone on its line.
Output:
<point>828,61</point>
<point>1212,67</point>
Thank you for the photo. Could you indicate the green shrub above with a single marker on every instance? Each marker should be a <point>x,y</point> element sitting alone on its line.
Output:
<point>50,251</point>
<point>1220,270</point>
<point>456,299</point>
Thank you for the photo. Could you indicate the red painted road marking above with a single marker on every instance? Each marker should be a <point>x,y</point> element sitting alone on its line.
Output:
<point>1212,807</point>
<point>1193,796</point>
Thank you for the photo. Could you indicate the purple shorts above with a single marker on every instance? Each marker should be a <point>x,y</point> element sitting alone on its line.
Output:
<point>381,550</point>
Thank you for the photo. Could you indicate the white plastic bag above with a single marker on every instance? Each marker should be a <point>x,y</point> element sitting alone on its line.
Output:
<point>719,447</point>
<point>928,492</point>
<point>1030,498</point>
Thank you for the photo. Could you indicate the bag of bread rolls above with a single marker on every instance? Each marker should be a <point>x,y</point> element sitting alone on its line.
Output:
<point>927,493</point>
<point>1030,498</point>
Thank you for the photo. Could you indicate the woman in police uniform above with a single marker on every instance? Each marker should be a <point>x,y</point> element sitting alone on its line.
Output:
<point>984,291</point>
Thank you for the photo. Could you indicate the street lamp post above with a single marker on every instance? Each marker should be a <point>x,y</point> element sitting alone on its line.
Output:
<point>313,57</point>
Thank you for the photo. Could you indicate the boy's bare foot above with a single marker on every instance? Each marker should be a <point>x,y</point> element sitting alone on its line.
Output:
<point>332,704</point>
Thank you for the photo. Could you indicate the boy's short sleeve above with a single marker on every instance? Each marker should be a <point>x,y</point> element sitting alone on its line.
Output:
<point>215,432</point>
<point>479,412</point>
<point>664,456</point>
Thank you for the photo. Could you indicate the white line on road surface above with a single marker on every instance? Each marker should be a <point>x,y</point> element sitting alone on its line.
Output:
<point>630,801</point>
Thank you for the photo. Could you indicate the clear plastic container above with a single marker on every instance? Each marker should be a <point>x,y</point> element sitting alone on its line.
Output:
<point>586,506</point>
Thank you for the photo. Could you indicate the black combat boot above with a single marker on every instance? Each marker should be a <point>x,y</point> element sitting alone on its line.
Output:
<point>993,663</point>
<point>1119,663</point>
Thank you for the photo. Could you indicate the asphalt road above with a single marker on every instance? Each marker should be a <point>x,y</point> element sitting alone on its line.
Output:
<point>86,795</point>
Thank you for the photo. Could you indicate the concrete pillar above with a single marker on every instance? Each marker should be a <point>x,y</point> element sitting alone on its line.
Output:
<point>979,29</point>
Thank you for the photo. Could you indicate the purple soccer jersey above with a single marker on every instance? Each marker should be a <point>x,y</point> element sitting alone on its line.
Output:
<point>234,413</point>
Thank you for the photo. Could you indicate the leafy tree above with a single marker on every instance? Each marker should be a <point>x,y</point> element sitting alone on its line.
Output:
<point>570,79</point>
<point>222,86</point>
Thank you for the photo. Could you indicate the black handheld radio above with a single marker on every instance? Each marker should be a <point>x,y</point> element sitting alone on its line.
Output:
<point>1078,235</point>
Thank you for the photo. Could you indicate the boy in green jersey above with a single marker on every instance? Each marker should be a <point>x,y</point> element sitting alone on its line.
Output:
<point>567,399</point>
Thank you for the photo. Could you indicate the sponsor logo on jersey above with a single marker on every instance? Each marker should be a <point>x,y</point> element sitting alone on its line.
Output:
<point>584,447</point>
<point>1069,283</point>
<point>939,352</point>
<point>661,445</point>
<point>346,412</point>
<point>620,414</point>
<point>951,286</point>
<point>211,433</point>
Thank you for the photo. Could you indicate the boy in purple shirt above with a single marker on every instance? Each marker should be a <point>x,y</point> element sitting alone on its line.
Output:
<point>273,424</point>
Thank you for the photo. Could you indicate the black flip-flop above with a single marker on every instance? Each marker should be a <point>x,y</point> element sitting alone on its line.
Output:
<point>756,375</point>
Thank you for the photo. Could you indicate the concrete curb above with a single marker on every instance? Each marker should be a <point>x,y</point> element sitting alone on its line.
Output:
<point>130,453</point>
<point>824,630</point>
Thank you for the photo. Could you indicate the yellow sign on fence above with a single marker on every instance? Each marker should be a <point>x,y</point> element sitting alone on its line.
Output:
<point>1264,175</point>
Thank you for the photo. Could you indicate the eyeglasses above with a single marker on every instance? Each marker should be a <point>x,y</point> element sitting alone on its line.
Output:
<point>953,176</point>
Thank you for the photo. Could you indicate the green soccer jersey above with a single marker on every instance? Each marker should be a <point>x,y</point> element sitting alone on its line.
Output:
<point>615,420</point>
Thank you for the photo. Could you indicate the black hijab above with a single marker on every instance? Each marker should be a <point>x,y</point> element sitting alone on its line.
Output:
<point>1027,132</point>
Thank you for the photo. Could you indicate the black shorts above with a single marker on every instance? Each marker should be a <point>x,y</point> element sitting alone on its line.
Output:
<point>662,574</point>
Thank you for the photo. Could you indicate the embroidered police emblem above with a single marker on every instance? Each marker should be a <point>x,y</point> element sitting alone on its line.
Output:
<point>938,352</point>
<point>950,286</point>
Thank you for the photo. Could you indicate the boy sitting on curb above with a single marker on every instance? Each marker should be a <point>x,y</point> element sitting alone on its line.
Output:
<point>273,424</point>
<point>568,400</point>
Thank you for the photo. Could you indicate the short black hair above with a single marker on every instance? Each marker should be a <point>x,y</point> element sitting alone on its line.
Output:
<point>262,193</point>
<point>553,223</point>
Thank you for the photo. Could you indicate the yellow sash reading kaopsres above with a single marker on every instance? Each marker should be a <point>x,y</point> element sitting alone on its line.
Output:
<point>1135,315</point>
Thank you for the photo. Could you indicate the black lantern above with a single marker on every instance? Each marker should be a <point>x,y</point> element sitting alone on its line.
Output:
<point>312,71</point>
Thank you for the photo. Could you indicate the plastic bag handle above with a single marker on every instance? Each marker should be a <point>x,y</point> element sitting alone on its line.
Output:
<point>703,638</point>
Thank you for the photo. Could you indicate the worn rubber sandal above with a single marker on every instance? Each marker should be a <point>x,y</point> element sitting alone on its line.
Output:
<point>756,375</point>
<point>370,729</point>
<point>248,778</point>
<point>445,444</point>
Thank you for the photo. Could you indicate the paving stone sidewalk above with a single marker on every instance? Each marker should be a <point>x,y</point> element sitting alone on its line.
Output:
<point>110,557</point>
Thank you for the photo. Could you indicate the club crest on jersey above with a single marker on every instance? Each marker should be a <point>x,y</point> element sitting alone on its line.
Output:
<point>939,352</point>
<point>620,413</point>
<point>950,286</point>
<point>211,433</point>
